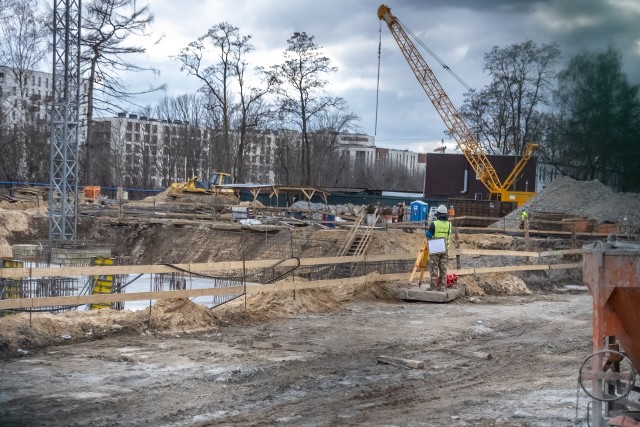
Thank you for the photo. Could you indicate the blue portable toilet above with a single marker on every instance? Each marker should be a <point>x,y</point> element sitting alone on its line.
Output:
<point>419,210</point>
<point>424,214</point>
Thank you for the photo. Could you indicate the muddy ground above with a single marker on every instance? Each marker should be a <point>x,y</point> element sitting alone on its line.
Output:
<point>181,364</point>
<point>216,377</point>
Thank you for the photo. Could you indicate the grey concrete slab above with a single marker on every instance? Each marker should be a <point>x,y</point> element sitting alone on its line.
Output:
<point>415,293</point>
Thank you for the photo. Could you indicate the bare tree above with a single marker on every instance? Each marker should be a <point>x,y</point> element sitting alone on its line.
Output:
<point>252,108</point>
<point>301,92</point>
<point>507,113</point>
<point>183,120</point>
<point>326,167</point>
<point>216,78</point>
<point>106,27</point>
<point>22,50</point>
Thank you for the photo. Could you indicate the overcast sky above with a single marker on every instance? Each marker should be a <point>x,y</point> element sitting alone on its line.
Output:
<point>460,32</point>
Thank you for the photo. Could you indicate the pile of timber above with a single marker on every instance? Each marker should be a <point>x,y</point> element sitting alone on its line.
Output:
<point>30,194</point>
<point>557,221</point>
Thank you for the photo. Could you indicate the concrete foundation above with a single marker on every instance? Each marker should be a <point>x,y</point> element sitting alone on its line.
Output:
<point>428,295</point>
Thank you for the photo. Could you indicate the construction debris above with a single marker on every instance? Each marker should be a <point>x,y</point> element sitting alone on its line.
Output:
<point>403,363</point>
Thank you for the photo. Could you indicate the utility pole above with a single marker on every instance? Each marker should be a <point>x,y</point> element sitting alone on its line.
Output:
<point>63,181</point>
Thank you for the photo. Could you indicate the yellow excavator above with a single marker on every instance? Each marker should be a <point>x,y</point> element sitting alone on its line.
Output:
<point>217,185</point>
<point>453,119</point>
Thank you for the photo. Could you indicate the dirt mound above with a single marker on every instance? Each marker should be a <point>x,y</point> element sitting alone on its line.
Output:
<point>590,199</point>
<point>486,241</point>
<point>45,329</point>
<point>494,284</point>
<point>178,315</point>
<point>15,221</point>
<point>376,289</point>
<point>21,331</point>
<point>274,305</point>
<point>170,195</point>
<point>394,242</point>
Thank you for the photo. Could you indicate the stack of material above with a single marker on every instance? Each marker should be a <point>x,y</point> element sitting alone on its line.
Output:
<point>31,194</point>
<point>560,222</point>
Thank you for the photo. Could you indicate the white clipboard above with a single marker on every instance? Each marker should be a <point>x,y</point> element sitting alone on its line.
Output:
<point>437,246</point>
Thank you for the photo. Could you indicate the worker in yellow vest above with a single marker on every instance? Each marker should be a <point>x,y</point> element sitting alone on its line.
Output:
<point>524,216</point>
<point>439,229</point>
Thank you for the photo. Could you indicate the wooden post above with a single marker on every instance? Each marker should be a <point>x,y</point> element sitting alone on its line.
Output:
<point>573,236</point>
<point>457,241</point>
<point>526,237</point>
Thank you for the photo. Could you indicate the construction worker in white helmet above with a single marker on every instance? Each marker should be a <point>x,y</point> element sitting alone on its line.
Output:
<point>439,229</point>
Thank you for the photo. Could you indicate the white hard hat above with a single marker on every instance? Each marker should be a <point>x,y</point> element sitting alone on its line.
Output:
<point>442,209</point>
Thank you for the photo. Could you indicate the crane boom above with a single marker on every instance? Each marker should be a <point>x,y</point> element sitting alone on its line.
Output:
<point>450,116</point>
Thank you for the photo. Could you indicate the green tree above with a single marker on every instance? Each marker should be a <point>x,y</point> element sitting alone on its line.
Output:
<point>598,118</point>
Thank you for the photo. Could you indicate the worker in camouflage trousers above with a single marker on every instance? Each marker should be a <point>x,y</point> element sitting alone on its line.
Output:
<point>439,229</point>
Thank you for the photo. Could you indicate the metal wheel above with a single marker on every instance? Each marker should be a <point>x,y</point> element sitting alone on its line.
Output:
<point>615,374</point>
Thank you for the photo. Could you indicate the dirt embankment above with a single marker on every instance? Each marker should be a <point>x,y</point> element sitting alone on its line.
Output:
<point>155,243</point>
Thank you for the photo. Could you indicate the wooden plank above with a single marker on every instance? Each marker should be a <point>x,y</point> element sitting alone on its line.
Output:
<point>190,267</point>
<point>270,345</point>
<point>15,273</point>
<point>561,252</point>
<point>251,289</point>
<point>188,293</point>
<point>510,268</point>
<point>108,298</point>
<point>492,252</point>
<point>404,363</point>
<point>565,266</point>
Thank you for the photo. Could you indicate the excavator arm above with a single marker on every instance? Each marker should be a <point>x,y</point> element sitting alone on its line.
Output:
<point>450,116</point>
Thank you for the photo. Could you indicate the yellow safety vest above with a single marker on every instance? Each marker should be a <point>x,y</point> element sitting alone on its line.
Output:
<point>523,216</point>
<point>442,230</point>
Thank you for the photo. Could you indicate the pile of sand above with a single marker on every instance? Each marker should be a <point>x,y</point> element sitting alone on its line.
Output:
<point>494,284</point>
<point>24,331</point>
<point>44,329</point>
<point>178,315</point>
<point>273,305</point>
<point>14,221</point>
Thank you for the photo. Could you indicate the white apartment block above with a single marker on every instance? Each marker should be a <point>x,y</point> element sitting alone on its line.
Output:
<point>140,146</point>
<point>30,101</point>
<point>361,150</point>
<point>156,150</point>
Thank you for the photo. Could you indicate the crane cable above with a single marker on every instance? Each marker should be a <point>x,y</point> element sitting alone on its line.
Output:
<point>429,51</point>
<point>375,127</point>
<point>426,48</point>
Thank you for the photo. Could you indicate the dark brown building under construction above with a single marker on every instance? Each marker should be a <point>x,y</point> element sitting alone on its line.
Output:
<point>451,176</point>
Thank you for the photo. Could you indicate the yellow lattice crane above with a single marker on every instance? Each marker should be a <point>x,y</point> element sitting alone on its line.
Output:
<point>453,120</point>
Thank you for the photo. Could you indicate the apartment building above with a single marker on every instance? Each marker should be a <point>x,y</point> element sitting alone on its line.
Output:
<point>361,150</point>
<point>30,101</point>
<point>152,153</point>
<point>147,152</point>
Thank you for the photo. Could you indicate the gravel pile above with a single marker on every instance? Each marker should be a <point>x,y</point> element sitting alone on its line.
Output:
<point>589,199</point>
